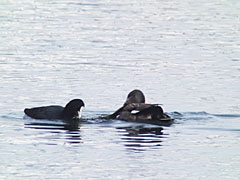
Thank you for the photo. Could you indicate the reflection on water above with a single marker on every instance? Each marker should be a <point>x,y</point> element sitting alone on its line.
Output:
<point>138,138</point>
<point>195,140</point>
<point>70,128</point>
<point>135,137</point>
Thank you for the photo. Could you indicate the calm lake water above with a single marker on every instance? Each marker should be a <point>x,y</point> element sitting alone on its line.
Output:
<point>183,54</point>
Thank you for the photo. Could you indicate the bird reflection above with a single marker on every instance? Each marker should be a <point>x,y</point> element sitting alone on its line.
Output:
<point>140,138</point>
<point>71,129</point>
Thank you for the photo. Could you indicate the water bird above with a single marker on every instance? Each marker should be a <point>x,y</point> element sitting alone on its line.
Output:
<point>135,96</point>
<point>72,110</point>
<point>146,113</point>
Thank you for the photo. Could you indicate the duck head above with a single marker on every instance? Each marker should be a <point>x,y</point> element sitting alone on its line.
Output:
<point>135,96</point>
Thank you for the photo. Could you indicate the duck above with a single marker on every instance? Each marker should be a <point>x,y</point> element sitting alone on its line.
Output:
<point>145,113</point>
<point>72,110</point>
<point>135,96</point>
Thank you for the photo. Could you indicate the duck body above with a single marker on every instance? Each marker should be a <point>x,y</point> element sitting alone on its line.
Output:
<point>71,111</point>
<point>146,113</point>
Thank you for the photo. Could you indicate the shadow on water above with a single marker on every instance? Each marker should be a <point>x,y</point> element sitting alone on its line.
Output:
<point>141,138</point>
<point>71,129</point>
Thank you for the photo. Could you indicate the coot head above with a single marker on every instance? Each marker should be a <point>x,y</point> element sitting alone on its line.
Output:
<point>73,109</point>
<point>135,96</point>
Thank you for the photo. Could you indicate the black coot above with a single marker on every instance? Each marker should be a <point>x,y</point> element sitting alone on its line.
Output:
<point>72,110</point>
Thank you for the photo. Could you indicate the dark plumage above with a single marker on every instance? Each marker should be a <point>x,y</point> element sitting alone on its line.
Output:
<point>152,112</point>
<point>146,113</point>
<point>72,110</point>
<point>135,96</point>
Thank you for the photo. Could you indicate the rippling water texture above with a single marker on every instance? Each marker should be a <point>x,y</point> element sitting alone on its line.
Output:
<point>183,54</point>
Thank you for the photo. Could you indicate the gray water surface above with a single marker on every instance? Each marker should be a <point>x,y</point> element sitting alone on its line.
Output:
<point>182,54</point>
